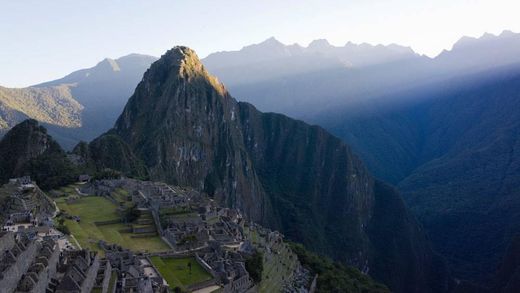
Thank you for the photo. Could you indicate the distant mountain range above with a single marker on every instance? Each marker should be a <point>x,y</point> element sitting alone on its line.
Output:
<point>79,106</point>
<point>302,82</point>
<point>444,130</point>
<point>306,81</point>
<point>452,151</point>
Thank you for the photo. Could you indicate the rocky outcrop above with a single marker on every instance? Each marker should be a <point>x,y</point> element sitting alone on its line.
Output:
<point>27,149</point>
<point>24,142</point>
<point>188,130</point>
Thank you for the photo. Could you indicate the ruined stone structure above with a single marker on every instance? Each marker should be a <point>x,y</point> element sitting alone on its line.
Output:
<point>135,272</point>
<point>227,267</point>
<point>22,201</point>
<point>80,269</point>
<point>42,270</point>
<point>27,265</point>
<point>194,225</point>
<point>104,274</point>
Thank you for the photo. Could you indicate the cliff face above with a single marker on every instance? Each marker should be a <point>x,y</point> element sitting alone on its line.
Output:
<point>187,129</point>
<point>306,171</point>
<point>181,122</point>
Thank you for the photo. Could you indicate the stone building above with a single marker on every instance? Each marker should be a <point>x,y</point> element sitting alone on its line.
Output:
<point>27,265</point>
<point>42,270</point>
<point>22,201</point>
<point>80,269</point>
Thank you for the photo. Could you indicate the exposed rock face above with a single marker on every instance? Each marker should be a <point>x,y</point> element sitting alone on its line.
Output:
<point>181,122</point>
<point>110,151</point>
<point>187,129</point>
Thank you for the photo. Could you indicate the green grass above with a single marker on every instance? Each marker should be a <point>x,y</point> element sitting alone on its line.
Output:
<point>112,282</point>
<point>121,196</point>
<point>94,209</point>
<point>175,271</point>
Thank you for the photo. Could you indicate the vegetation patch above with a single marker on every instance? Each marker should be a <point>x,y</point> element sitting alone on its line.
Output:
<point>92,209</point>
<point>255,266</point>
<point>335,277</point>
<point>176,271</point>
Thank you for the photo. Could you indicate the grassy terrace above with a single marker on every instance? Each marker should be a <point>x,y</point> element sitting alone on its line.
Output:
<point>121,196</point>
<point>176,272</point>
<point>278,267</point>
<point>95,209</point>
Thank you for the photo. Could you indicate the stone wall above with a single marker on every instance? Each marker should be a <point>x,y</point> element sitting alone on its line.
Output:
<point>241,284</point>
<point>147,229</point>
<point>204,284</point>
<point>6,241</point>
<point>49,272</point>
<point>90,279</point>
<point>12,275</point>
<point>106,278</point>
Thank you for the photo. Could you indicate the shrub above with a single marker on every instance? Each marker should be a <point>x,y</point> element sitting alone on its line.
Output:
<point>255,266</point>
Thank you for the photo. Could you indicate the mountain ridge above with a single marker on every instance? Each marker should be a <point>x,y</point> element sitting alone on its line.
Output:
<point>79,106</point>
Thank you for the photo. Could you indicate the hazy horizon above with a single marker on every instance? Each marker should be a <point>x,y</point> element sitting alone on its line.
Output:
<point>45,41</point>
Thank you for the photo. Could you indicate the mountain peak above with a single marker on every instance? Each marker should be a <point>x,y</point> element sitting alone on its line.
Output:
<point>108,64</point>
<point>270,44</point>
<point>271,40</point>
<point>319,44</point>
<point>183,62</point>
<point>182,59</point>
<point>507,33</point>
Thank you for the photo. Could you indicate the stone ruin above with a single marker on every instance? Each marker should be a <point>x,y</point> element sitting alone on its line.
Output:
<point>36,265</point>
<point>22,201</point>
<point>135,272</point>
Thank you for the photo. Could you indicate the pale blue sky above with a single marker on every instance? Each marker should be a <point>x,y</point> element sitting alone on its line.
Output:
<point>44,40</point>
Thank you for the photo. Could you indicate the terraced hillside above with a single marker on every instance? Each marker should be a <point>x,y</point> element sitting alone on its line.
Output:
<point>177,273</point>
<point>99,220</point>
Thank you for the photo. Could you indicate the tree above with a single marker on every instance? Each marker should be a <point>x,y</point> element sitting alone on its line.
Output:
<point>255,266</point>
<point>131,214</point>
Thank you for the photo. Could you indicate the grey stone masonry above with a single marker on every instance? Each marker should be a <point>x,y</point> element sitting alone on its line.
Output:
<point>15,261</point>
<point>103,276</point>
<point>80,269</point>
<point>42,269</point>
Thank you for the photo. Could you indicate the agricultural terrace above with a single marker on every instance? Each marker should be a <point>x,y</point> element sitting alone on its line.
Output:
<point>177,273</point>
<point>88,231</point>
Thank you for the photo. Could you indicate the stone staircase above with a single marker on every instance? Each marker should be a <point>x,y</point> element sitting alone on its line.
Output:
<point>144,225</point>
